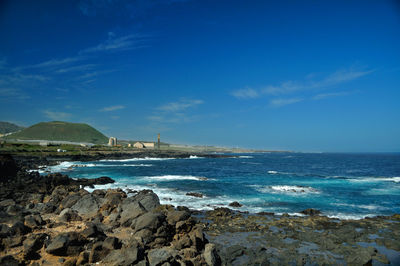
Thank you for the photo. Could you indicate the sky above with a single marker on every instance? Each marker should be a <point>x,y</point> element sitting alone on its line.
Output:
<point>276,75</point>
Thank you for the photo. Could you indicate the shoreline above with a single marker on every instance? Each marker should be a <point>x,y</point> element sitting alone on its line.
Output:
<point>167,201</point>
<point>40,211</point>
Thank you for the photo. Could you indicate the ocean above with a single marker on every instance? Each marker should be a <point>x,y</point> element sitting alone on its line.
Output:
<point>346,186</point>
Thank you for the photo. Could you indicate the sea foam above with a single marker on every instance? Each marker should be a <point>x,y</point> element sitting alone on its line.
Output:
<point>175,177</point>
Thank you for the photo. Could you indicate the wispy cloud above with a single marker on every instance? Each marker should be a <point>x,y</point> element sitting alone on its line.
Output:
<point>56,115</point>
<point>56,62</point>
<point>300,89</point>
<point>175,112</point>
<point>13,93</point>
<point>124,43</point>
<point>284,101</point>
<point>112,108</point>
<point>179,106</point>
<point>330,95</point>
<point>246,93</point>
<point>78,68</point>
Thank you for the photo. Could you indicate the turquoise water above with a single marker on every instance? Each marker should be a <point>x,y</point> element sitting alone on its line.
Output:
<point>340,185</point>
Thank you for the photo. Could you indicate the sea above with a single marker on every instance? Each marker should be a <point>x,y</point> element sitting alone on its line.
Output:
<point>345,186</point>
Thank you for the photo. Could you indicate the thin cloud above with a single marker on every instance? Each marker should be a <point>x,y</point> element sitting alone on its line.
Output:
<point>180,106</point>
<point>246,93</point>
<point>76,68</point>
<point>112,108</point>
<point>330,95</point>
<point>175,112</point>
<point>56,115</point>
<point>13,93</point>
<point>57,62</point>
<point>112,44</point>
<point>284,101</point>
<point>309,83</point>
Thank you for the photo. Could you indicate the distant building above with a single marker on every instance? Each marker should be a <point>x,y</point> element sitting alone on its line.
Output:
<point>148,145</point>
<point>129,145</point>
<point>112,141</point>
<point>144,145</point>
<point>138,145</point>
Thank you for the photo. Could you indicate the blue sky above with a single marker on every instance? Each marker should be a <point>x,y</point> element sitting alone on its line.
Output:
<point>291,75</point>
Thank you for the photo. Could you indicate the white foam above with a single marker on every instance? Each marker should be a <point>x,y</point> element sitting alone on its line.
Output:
<point>272,172</point>
<point>175,177</point>
<point>347,216</point>
<point>286,189</point>
<point>120,165</point>
<point>366,207</point>
<point>246,157</point>
<point>395,179</point>
<point>195,157</point>
<point>137,159</point>
<point>63,166</point>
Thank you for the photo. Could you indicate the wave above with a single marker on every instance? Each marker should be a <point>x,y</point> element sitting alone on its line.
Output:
<point>361,206</point>
<point>246,157</point>
<point>394,179</point>
<point>195,157</point>
<point>112,165</point>
<point>61,167</point>
<point>286,189</point>
<point>136,159</point>
<point>176,177</point>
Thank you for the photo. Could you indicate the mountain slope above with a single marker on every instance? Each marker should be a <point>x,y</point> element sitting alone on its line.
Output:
<point>61,131</point>
<point>6,127</point>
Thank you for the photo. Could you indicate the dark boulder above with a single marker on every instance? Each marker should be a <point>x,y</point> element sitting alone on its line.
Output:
<point>12,242</point>
<point>194,194</point>
<point>111,243</point>
<point>32,244</point>
<point>33,221</point>
<point>87,206</point>
<point>97,252</point>
<point>66,244</point>
<point>68,215</point>
<point>8,167</point>
<point>311,212</point>
<point>150,221</point>
<point>125,256</point>
<point>235,204</point>
<point>176,216</point>
<point>211,256</point>
<point>148,199</point>
<point>93,231</point>
<point>10,261</point>
<point>161,255</point>
<point>131,209</point>
<point>18,229</point>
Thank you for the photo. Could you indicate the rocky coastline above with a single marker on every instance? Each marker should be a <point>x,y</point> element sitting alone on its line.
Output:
<point>53,220</point>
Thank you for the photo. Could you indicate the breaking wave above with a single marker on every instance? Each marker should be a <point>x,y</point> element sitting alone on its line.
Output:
<point>286,189</point>
<point>175,177</point>
<point>136,159</point>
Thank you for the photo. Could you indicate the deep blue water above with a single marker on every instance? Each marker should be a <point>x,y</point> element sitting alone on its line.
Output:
<point>340,185</point>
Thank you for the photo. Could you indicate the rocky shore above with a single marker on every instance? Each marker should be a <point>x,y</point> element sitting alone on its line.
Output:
<point>53,220</point>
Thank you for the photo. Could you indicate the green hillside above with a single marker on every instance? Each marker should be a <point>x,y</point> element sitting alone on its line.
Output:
<point>6,127</point>
<point>61,131</point>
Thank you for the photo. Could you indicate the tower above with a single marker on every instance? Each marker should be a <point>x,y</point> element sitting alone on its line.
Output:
<point>158,142</point>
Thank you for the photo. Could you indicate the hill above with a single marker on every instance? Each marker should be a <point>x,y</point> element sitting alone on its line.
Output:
<point>61,131</point>
<point>6,127</point>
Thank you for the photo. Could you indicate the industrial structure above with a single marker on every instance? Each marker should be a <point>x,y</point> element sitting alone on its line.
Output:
<point>112,141</point>
<point>144,145</point>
